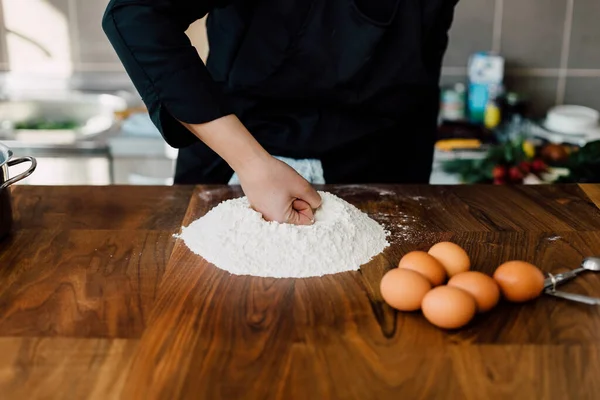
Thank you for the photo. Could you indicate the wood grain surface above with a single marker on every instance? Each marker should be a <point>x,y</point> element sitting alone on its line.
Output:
<point>65,368</point>
<point>98,300</point>
<point>86,262</point>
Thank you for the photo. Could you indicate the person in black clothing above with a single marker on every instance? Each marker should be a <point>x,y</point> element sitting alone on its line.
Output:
<point>353,84</point>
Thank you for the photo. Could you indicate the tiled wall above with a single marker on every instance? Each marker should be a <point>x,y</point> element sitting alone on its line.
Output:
<point>552,46</point>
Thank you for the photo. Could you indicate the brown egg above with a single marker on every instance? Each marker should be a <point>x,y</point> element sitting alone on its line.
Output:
<point>453,257</point>
<point>448,307</point>
<point>482,287</point>
<point>424,264</point>
<point>519,281</point>
<point>404,289</point>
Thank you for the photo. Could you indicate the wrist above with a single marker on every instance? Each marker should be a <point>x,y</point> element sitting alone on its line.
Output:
<point>251,163</point>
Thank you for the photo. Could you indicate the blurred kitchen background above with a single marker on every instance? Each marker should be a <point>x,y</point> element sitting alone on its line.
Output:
<point>66,100</point>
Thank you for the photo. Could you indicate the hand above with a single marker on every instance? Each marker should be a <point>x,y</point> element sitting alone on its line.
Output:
<point>272,187</point>
<point>278,192</point>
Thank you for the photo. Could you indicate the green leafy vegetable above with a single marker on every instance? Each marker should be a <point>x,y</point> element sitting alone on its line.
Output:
<point>46,124</point>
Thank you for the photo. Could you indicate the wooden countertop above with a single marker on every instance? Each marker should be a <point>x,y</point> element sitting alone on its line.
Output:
<point>99,301</point>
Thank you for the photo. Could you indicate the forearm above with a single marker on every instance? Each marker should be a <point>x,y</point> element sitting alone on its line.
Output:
<point>230,139</point>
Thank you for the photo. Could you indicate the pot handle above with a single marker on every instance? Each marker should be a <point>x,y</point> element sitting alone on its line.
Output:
<point>25,174</point>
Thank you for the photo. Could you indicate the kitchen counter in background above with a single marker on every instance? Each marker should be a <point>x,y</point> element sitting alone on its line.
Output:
<point>102,149</point>
<point>75,154</point>
<point>98,300</point>
<point>132,152</point>
<point>439,176</point>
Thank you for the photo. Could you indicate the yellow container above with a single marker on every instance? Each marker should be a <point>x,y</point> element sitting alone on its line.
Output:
<point>492,115</point>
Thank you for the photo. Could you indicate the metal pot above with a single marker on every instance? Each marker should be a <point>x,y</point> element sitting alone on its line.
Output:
<point>6,161</point>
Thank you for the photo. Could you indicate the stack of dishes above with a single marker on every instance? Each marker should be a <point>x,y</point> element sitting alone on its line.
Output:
<point>570,124</point>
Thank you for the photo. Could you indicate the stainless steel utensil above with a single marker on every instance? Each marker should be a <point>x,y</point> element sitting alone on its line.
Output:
<point>6,161</point>
<point>574,297</point>
<point>588,264</point>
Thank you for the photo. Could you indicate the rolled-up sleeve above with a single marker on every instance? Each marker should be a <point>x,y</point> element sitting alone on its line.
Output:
<point>149,38</point>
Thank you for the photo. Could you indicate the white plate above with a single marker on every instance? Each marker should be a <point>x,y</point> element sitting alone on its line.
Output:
<point>568,119</point>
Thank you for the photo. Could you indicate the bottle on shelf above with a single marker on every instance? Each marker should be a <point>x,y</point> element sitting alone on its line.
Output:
<point>493,114</point>
<point>453,103</point>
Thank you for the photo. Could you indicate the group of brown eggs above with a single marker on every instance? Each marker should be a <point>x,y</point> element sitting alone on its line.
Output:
<point>439,282</point>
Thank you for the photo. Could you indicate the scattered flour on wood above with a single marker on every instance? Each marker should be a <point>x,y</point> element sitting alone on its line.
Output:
<point>237,239</point>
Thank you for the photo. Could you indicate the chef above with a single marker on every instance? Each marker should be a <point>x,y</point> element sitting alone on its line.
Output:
<point>294,92</point>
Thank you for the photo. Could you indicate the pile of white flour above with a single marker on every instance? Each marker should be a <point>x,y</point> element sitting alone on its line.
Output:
<point>237,239</point>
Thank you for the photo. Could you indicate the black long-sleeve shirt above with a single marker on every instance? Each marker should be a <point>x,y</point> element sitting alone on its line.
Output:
<point>306,77</point>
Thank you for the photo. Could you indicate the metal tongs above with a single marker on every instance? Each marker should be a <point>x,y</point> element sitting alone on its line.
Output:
<point>588,264</point>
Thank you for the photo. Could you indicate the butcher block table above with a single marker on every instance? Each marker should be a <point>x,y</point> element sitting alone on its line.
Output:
<point>98,300</point>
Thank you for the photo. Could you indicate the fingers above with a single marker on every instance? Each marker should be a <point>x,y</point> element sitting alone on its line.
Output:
<point>301,213</point>
<point>310,196</point>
